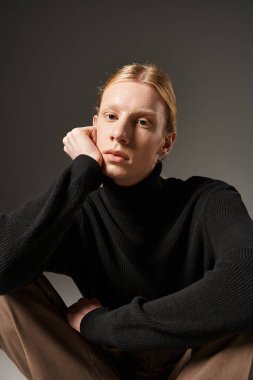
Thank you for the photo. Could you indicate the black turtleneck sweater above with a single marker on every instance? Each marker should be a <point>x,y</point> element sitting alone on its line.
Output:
<point>171,261</point>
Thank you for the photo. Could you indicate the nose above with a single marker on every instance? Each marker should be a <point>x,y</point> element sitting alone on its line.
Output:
<point>121,132</point>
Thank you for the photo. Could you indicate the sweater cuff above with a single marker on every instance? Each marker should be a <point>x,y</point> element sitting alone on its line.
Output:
<point>92,326</point>
<point>88,169</point>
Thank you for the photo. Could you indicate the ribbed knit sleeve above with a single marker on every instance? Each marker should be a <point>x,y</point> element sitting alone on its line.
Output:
<point>29,235</point>
<point>220,302</point>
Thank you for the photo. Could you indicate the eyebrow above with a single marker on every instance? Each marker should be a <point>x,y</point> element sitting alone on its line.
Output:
<point>139,111</point>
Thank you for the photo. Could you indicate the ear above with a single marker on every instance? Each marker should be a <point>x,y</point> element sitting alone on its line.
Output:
<point>167,144</point>
<point>95,121</point>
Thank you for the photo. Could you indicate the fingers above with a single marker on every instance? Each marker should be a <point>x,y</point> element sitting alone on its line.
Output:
<point>86,128</point>
<point>90,131</point>
<point>82,140</point>
<point>84,302</point>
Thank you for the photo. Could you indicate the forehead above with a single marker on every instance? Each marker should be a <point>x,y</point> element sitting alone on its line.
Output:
<point>130,94</point>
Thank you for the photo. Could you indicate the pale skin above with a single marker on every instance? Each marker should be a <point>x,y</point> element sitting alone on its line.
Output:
<point>132,120</point>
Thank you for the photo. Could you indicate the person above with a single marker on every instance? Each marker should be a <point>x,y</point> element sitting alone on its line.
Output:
<point>164,265</point>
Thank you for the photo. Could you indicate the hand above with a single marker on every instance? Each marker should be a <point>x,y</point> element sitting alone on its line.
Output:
<point>78,310</point>
<point>82,141</point>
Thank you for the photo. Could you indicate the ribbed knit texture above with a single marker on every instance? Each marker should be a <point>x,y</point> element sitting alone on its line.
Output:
<point>30,234</point>
<point>171,261</point>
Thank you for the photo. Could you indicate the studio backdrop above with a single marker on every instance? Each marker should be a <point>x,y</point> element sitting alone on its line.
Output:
<point>55,55</point>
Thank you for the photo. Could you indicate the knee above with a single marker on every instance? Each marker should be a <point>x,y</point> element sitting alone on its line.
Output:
<point>32,299</point>
<point>6,302</point>
<point>23,297</point>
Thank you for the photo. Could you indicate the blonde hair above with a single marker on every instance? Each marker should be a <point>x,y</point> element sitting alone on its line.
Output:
<point>150,74</point>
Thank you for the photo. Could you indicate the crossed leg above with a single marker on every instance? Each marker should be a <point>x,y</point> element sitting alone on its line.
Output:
<point>227,358</point>
<point>35,335</point>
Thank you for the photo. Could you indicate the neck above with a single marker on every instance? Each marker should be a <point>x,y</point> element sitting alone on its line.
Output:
<point>137,200</point>
<point>127,182</point>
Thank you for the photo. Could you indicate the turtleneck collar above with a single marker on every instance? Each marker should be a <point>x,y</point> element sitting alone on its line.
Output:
<point>141,199</point>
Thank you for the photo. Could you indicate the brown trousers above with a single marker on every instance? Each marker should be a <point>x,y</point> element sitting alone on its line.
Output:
<point>35,335</point>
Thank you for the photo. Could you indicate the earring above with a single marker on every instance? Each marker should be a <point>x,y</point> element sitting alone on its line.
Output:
<point>163,156</point>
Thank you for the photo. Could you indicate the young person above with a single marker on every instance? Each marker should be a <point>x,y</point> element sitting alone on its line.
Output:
<point>164,265</point>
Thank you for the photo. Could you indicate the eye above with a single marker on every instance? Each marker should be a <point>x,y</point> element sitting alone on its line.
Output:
<point>109,115</point>
<point>144,122</point>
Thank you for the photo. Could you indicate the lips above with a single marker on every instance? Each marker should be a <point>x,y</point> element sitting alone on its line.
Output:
<point>117,153</point>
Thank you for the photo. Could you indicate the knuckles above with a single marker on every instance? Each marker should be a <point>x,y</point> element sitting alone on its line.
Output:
<point>76,131</point>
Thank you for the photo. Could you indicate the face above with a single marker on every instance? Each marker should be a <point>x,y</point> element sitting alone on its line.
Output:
<point>131,131</point>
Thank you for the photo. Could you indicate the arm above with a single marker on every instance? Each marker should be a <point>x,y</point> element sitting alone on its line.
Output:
<point>30,234</point>
<point>219,303</point>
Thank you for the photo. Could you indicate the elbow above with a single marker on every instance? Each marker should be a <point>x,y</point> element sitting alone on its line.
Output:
<point>9,280</point>
<point>6,285</point>
<point>6,277</point>
<point>16,277</point>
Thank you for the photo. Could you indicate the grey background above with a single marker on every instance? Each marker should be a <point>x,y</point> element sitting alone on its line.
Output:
<point>55,54</point>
